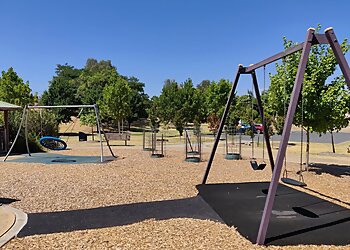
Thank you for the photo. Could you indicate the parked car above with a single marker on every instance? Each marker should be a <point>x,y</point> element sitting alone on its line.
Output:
<point>244,127</point>
<point>259,128</point>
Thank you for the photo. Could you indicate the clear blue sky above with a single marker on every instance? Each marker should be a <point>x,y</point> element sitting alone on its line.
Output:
<point>157,39</point>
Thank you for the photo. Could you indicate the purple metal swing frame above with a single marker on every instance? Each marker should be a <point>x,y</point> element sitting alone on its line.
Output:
<point>311,39</point>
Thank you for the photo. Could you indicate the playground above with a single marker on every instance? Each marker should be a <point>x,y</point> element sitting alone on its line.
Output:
<point>156,190</point>
<point>140,202</point>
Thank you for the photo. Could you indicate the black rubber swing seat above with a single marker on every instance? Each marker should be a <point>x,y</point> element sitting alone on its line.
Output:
<point>293,182</point>
<point>257,166</point>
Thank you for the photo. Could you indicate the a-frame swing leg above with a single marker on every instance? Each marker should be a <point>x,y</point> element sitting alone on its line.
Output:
<point>107,141</point>
<point>284,140</point>
<point>261,111</point>
<point>222,122</point>
<point>343,64</point>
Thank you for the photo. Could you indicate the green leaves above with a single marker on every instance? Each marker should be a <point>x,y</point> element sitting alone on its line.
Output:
<point>180,104</point>
<point>63,90</point>
<point>115,102</point>
<point>324,106</point>
<point>14,90</point>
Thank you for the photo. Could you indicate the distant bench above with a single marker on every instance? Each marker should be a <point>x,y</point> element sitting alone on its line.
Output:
<point>118,137</point>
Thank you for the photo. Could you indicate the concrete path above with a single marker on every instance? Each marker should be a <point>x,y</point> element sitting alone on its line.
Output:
<point>11,222</point>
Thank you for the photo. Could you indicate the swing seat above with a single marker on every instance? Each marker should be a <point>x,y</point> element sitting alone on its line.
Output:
<point>293,182</point>
<point>53,143</point>
<point>257,166</point>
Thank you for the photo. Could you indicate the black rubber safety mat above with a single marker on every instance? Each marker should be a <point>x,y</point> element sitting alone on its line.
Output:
<point>297,217</point>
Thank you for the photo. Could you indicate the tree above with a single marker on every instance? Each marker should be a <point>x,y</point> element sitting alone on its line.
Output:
<point>89,119</point>
<point>169,101</point>
<point>180,104</point>
<point>14,90</point>
<point>335,110</point>
<point>191,104</point>
<point>115,102</point>
<point>203,85</point>
<point>139,101</point>
<point>63,91</point>
<point>94,77</point>
<point>310,110</point>
<point>216,95</point>
<point>245,109</point>
<point>153,112</point>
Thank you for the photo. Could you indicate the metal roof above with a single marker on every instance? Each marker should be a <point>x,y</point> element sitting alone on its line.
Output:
<point>4,106</point>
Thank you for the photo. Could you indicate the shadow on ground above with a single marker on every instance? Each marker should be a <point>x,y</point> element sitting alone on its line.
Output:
<point>7,200</point>
<point>118,215</point>
<point>333,169</point>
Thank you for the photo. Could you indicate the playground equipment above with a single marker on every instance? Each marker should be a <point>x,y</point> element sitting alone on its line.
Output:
<point>285,179</point>
<point>54,142</point>
<point>193,145</point>
<point>311,39</point>
<point>158,145</point>
<point>147,136</point>
<point>233,148</point>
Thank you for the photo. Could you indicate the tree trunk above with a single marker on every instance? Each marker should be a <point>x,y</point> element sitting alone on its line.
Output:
<point>92,133</point>
<point>307,149</point>
<point>118,126</point>
<point>333,147</point>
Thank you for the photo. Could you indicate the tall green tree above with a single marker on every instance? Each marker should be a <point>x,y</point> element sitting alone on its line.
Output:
<point>153,112</point>
<point>94,77</point>
<point>180,104</point>
<point>14,90</point>
<point>115,102</point>
<point>63,90</point>
<point>191,102</point>
<point>335,110</point>
<point>310,110</point>
<point>216,95</point>
<point>139,100</point>
<point>169,101</point>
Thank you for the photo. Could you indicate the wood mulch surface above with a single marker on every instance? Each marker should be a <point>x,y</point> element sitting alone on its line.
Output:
<point>134,178</point>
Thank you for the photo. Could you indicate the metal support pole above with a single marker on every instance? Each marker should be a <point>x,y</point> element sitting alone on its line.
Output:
<point>6,130</point>
<point>344,66</point>
<point>99,129</point>
<point>144,139</point>
<point>186,149</point>
<point>200,146</point>
<point>285,137</point>
<point>18,131</point>
<point>240,145</point>
<point>222,123</point>
<point>26,132</point>
<point>226,143</point>
<point>107,141</point>
<point>261,111</point>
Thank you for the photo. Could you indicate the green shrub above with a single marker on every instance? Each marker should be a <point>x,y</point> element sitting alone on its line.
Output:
<point>40,123</point>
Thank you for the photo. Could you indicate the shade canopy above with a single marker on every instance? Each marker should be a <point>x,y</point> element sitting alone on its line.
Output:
<point>5,106</point>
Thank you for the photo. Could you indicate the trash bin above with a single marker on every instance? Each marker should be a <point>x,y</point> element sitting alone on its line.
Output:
<point>82,136</point>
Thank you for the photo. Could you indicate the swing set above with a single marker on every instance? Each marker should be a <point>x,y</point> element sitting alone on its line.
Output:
<point>311,39</point>
<point>55,143</point>
<point>253,162</point>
